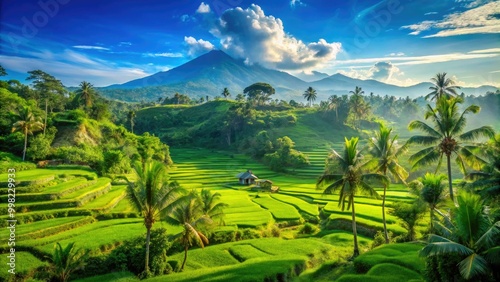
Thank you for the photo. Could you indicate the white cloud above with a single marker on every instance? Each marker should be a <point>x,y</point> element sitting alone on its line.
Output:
<point>382,71</point>
<point>89,47</point>
<point>165,54</point>
<point>398,54</point>
<point>203,8</point>
<point>419,60</point>
<point>294,3</point>
<point>430,13</point>
<point>197,47</point>
<point>257,38</point>
<point>477,20</point>
<point>485,51</point>
<point>72,68</point>
<point>125,43</point>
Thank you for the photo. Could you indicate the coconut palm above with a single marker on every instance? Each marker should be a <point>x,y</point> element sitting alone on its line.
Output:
<point>225,93</point>
<point>443,87</point>
<point>469,234</point>
<point>386,151</point>
<point>66,260</point>
<point>432,192</point>
<point>211,205</point>
<point>310,95</point>
<point>27,123</point>
<point>446,137</point>
<point>345,174</point>
<point>86,94</point>
<point>189,214</point>
<point>357,105</point>
<point>152,196</point>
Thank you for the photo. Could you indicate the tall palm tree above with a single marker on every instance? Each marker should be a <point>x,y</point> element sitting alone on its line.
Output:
<point>86,94</point>
<point>386,151</point>
<point>27,123</point>
<point>152,195</point>
<point>211,205</point>
<point>446,137</point>
<point>334,103</point>
<point>225,93</point>
<point>349,179</point>
<point>469,234</point>
<point>189,214</point>
<point>357,105</point>
<point>67,260</point>
<point>131,117</point>
<point>443,87</point>
<point>432,192</point>
<point>310,95</point>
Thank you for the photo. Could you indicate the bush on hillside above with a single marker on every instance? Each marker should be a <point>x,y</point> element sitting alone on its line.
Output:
<point>115,161</point>
<point>131,255</point>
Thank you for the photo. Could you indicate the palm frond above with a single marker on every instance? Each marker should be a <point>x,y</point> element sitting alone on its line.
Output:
<point>332,188</point>
<point>368,190</point>
<point>327,179</point>
<point>472,266</point>
<point>423,140</point>
<point>441,248</point>
<point>422,126</point>
<point>489,238</point>
<point>483,131</point>
<point>493,255</point>
<point>425,157</point>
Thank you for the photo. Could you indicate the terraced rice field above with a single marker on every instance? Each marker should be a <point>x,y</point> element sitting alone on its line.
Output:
<point>70,205</point>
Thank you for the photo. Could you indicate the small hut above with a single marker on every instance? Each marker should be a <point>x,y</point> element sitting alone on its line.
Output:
<point>246,178</point>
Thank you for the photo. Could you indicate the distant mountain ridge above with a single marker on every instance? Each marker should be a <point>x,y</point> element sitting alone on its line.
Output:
<point>209,74</point>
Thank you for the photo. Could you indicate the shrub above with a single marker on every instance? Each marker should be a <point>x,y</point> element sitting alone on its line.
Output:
<point>246,234</point>
<point>131,254</point>
<point>223,236</point>
<point>115,162</point>
<point>308,228</point>
<point>379,239</point>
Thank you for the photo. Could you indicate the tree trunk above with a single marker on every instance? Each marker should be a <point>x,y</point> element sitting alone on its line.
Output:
<point>386,235</point>
<point>449,177</point>
<point>354,231</point>
<point>148,238</point>
<point>46,109</point>
<point>25,144</point>
<point>432,216</point>
<point>185,256</point>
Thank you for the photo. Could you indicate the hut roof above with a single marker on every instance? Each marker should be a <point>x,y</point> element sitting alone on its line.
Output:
<point>246,175</point>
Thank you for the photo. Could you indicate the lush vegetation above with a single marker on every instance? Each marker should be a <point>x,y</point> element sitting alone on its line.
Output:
<point>105,199</point>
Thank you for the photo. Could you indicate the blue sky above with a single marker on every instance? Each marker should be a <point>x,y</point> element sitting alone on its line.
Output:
<point>395,41</point>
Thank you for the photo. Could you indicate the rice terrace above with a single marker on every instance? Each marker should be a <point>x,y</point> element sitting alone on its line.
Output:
<point>249,141</point>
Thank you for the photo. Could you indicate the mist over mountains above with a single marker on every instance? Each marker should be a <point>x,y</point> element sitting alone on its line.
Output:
<point>209,74</point>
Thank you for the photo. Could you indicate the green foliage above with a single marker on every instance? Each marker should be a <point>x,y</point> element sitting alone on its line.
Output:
<point>131,254</point>
<point>405,255</point>
<point>66,260</point>
<point>471,236</point>
<point>116,162</point>
<point>83,154</point>
<point>308,228</point>
<point>410,214</point>
<point>39,147</point>
<point>285,156</point>
<point>379,239</point>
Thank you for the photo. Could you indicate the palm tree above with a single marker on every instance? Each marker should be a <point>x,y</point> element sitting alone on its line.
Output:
<point>189,214</point>
<point>211,205</point>
<point>131,117</point>
<point>310,95</point>
<point>432,192</point>
<point>386,151</point>
<point>152,195</point>
<point>334,103</point>
<point>469,234</point>
<point>225,93</point>
<point>67,260</point>
<point>445,137</point>
<point>349,180</point>
<point>86,94</point>
<point>443,87</point>
<point>357,105</point>
<point>27,123</point>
